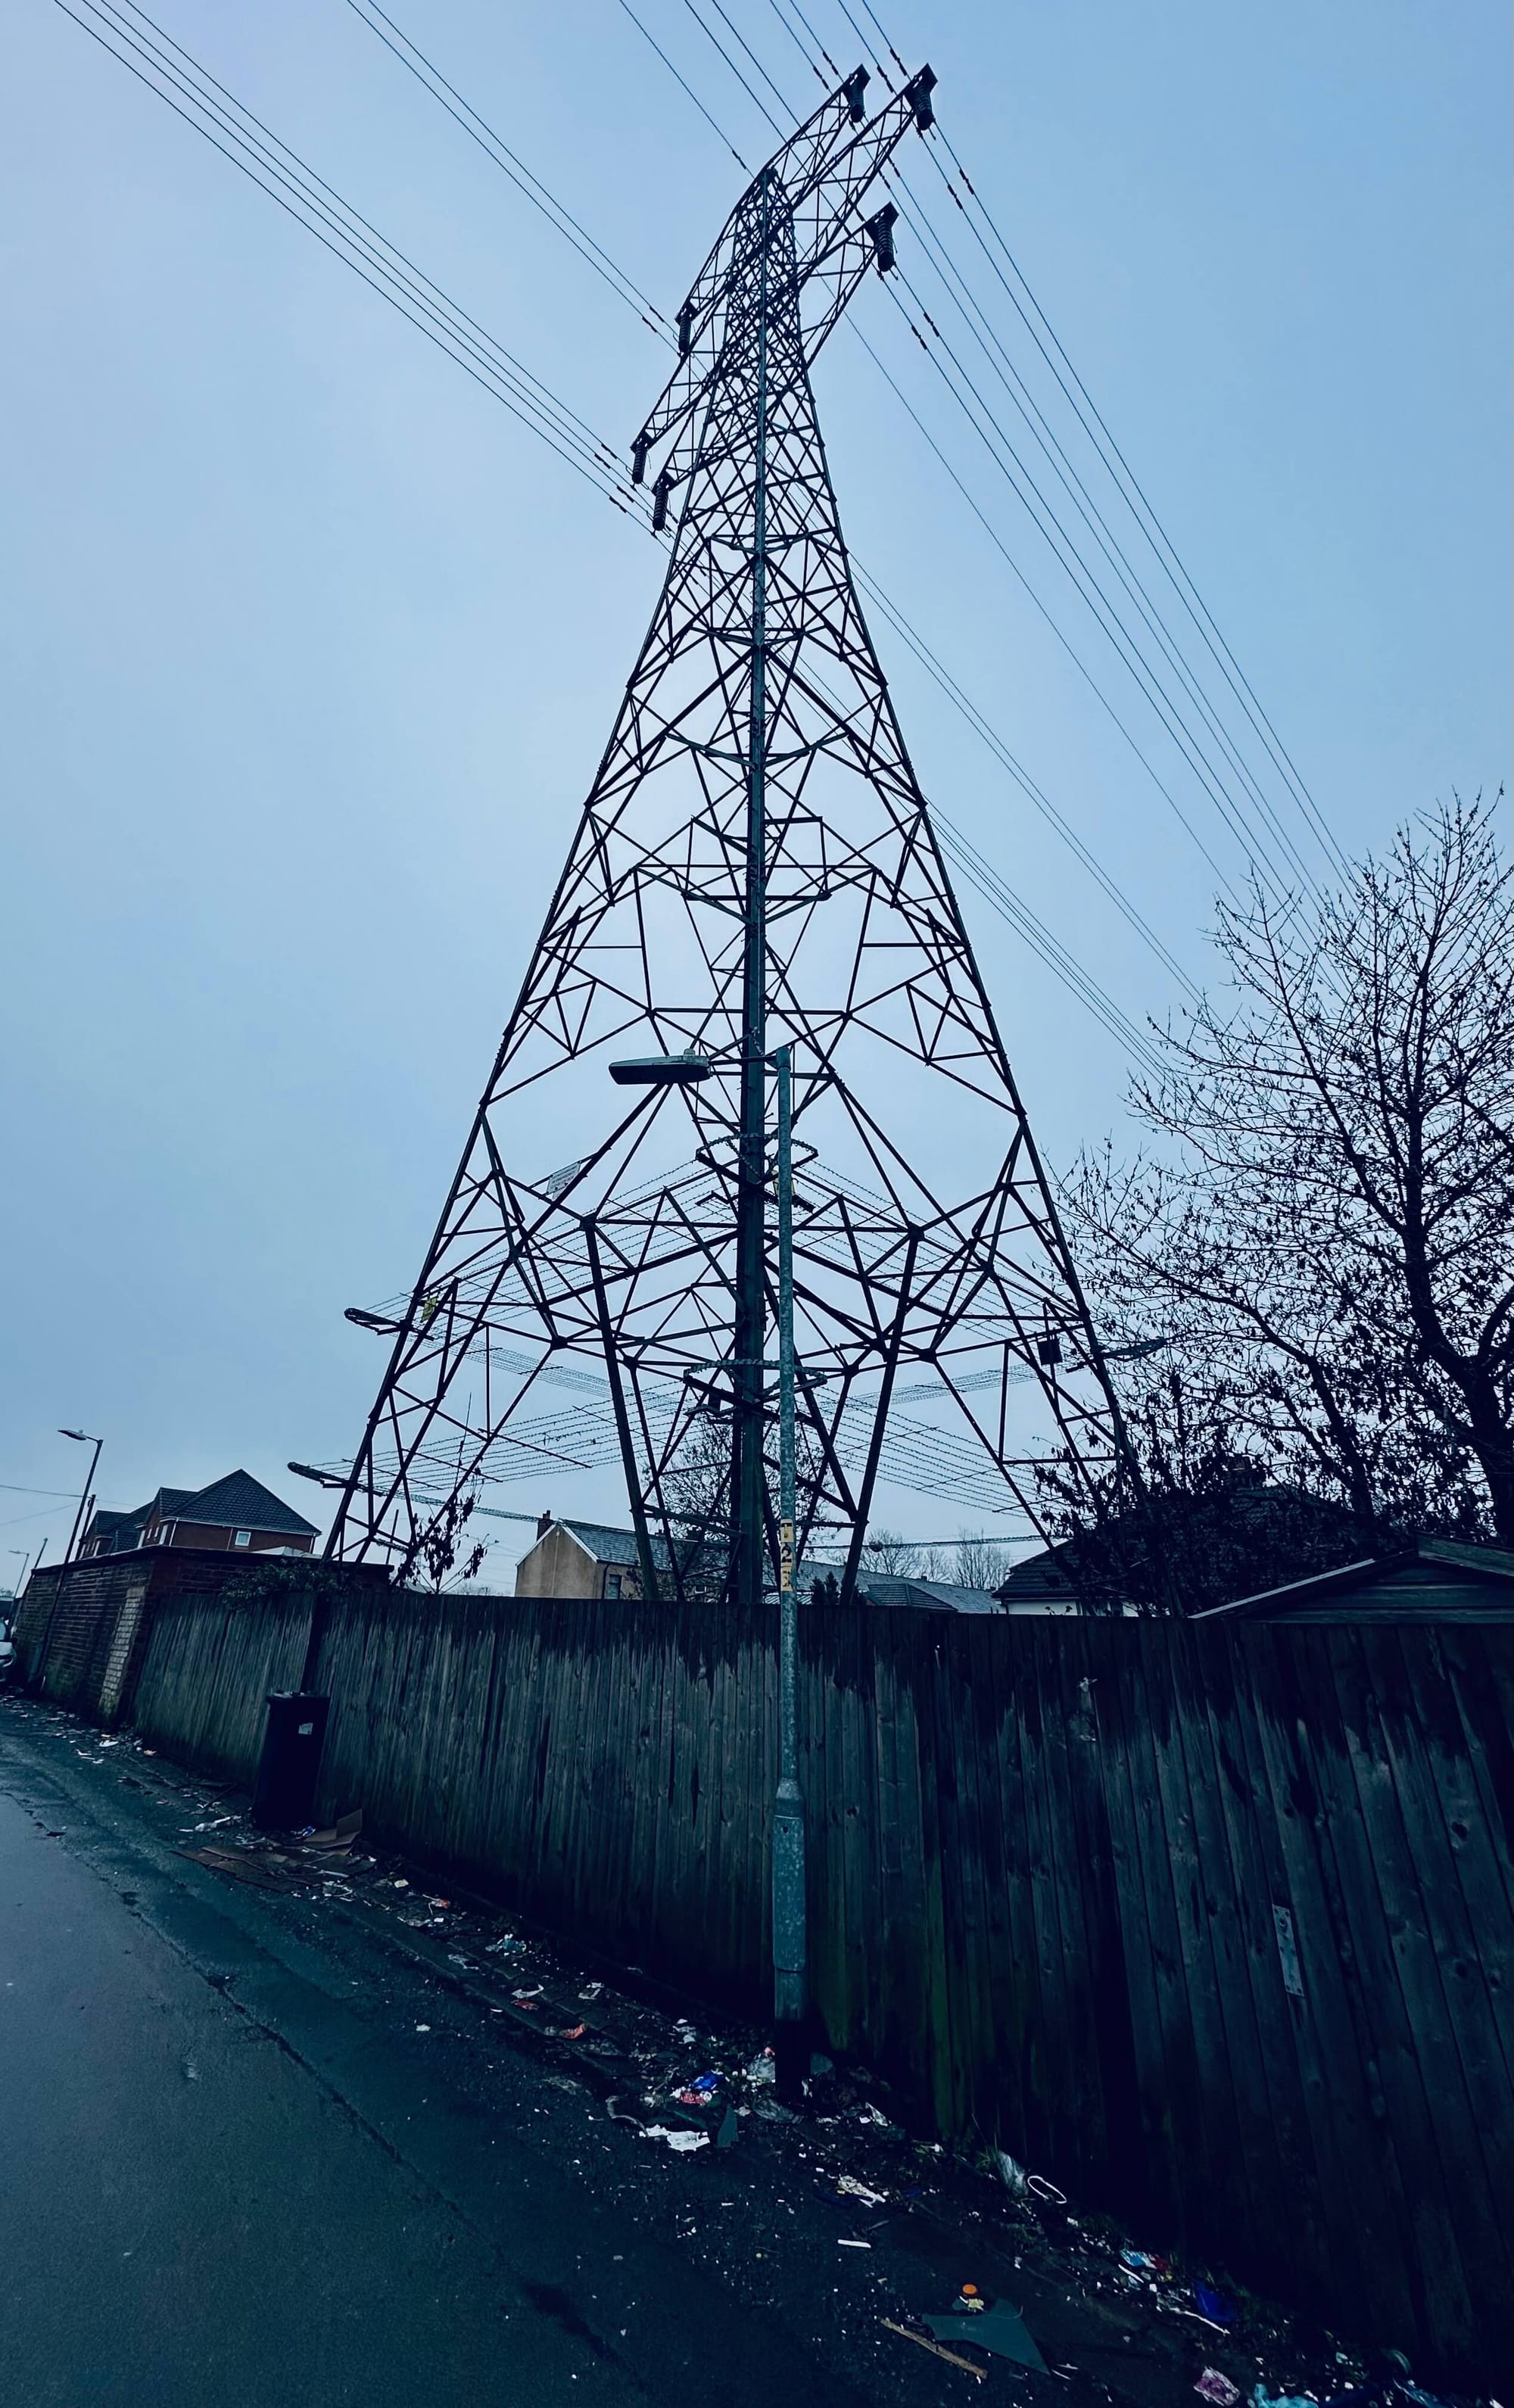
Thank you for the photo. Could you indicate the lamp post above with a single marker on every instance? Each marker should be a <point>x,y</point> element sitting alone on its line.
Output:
<point>84,1440</point>
<point>789,1949</point>
<point>790,1954</point>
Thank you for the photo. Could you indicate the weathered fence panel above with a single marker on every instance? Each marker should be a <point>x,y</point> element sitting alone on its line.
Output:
<point>1211,1924</point>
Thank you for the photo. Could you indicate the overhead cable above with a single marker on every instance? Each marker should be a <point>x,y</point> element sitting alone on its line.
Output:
<point>1132,496</point>
<point>510,162</point>
<point>949,686</point>
<point>239,136</point>
<point>1149,680</point>
<point>352,238</point>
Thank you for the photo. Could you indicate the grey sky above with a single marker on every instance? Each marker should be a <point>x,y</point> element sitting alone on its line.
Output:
<point>310,650</point>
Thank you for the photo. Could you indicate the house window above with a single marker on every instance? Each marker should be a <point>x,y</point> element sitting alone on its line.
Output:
<point>612,1584</point>
<point>242,1539</point>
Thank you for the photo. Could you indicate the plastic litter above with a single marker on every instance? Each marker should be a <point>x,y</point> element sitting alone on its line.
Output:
<point>1013,2175</point>
<point>729,2130</point>
<point>1040,2188</point>
<point>999,2329</point>
<point>1141,2261</point>
<point>684,2142</point>
<point>772,2112</point>
<point>1217,2387</point>
<point>573,2031</point>
<point>1213,2304</point>
<point>936,2349</point>
<point>703,2084</point>
<point>851,2189</point>
<point>1262,2397</point>
<point>764,2067</point>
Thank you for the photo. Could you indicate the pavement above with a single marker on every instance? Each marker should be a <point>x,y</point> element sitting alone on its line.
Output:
<point>289,2124</point>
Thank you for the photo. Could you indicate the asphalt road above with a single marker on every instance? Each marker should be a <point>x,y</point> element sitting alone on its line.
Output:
<point>259,2148</point>
<point>220,2181</point>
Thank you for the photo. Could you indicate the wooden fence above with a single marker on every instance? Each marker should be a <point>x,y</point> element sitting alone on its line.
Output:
<point>1213,1925</point>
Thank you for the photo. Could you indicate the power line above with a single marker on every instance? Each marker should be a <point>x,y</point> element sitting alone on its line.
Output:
<point>1088,585</point>
<point>962,702</point>
<point>358,244</point>
<point>1083,502</point>
<point>1121,470</point>
<point>1161,787</point>
<point>1111,458</point>
<point>1081,666</point>
<point>548,418</point>
<point>778,129</point>
<point>411,56</point>
<point>923,651</point>
<point>704,112</point>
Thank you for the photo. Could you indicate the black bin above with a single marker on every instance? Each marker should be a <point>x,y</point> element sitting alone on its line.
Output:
<point>290,1766</point>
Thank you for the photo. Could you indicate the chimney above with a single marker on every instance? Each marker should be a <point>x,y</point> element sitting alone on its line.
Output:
<point>543,1523</point>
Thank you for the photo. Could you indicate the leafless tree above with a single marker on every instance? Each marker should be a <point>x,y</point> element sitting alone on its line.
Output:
<point>979,1562</point>
<point>1314,1247</point>
<point>889,1557</point>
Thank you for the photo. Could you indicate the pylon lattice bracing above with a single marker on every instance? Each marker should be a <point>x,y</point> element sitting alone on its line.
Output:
<point>754,867</point>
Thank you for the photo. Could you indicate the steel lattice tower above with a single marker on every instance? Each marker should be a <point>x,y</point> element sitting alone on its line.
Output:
<point>754,867</point>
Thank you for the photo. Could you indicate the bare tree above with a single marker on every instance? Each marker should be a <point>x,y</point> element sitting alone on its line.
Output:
<point>888,1556</point>
<point>979,1562</point>
<point>1315,1251</point>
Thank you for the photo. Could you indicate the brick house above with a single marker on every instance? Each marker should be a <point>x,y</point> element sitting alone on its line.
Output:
<point>234,1511</point>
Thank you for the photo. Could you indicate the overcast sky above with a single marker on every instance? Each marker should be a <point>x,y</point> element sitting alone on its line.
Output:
<point>310,650</point>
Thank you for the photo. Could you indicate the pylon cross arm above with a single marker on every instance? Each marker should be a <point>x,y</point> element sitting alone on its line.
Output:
<point>824,173</point>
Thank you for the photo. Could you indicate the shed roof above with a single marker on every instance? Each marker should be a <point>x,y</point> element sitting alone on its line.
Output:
<point>1433,1580</point>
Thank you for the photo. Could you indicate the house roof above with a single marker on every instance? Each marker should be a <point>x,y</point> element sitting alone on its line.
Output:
<point>606,1544</point>
<point>935,1597</point>
<point>101,1522</point>
<point>1041,1579</point>
<point>167,1501</point>
<point>1434,1579</point>
<point>161,1502</point>
<point>238,1502</point>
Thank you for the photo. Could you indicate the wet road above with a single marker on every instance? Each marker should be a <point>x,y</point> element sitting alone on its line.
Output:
<point>219,2181</point>
<point>260,2147</point>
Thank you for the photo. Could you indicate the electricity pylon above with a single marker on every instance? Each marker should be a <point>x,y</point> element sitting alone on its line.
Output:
<point>754,867</point>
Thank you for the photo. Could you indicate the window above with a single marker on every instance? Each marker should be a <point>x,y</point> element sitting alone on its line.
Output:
<point>242,1539</point>
<point>612,1584</point>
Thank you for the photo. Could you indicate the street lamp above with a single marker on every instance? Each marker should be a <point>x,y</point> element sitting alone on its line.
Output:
<point>789,1952</point>
<point>84,1440</point>
<point>662,1070</point>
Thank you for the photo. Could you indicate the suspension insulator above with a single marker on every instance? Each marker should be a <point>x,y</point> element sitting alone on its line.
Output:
<point>880,230</point>
<point>917,93</point>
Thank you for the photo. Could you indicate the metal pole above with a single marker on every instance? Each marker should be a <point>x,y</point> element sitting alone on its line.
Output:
<point>84,1499</point>
<point>789,1949</point>
<point>622,1419</point>
<point>748,1489</point>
